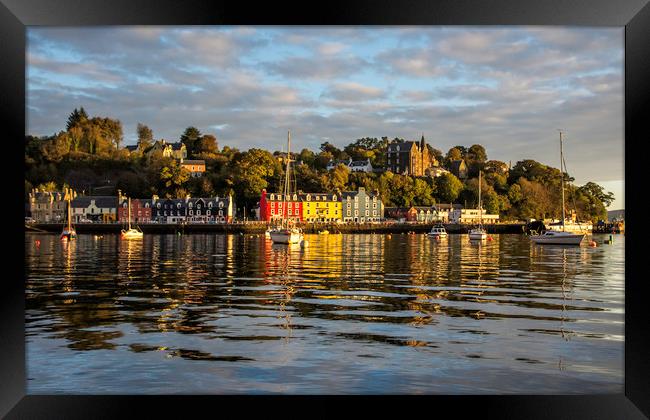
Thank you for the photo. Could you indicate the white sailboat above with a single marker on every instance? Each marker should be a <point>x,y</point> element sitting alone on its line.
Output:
<point>556,237</point>
<point>131,233</point>
<point>69,232</point>
<point>479,233</point>
<point>286,233</point>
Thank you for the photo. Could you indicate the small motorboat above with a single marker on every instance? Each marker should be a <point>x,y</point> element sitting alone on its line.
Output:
<point>552,237</point>
<point>438,231</point>
<point>324,232</point>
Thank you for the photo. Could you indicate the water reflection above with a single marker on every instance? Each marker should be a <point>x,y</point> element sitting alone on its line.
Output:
<point>356,304</point>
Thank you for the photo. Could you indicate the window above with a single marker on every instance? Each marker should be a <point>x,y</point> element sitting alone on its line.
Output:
<point>178,205</point>
<point>124,205</point>
<point>146,205</point>
<point>374,212</point>
<point>198,212</point>
<point>333,198</point>
<point>308,197</point>
<point>348,205</point>
<point>210,205</point>
<point>220,204</point>
<point>366,205</point>
<point>295,197</point>
<point>290,211</point>
<point>367,212</point>
<point>191,212</point>
<point>198,206</point>
<point>356,198</point>
<point>207,212</point>
<point>190,205</point>
<point>374,205</point>
<point>317,198</point>
<point>220,212</point>
<point>159,205</point>
<point>272,197</point>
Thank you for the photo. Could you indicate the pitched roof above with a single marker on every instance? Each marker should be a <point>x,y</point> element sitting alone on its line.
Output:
<point>177,145</point>
<point>455,164</point>
<point>132,148</point>
<point>103,201</point>
<point>403,147</point>
<point>193,162</point>
<point>360,163</point>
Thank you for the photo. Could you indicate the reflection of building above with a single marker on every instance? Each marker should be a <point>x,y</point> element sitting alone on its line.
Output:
<point>360,206</point>
<point>46,206</point>
<point>410,157</point>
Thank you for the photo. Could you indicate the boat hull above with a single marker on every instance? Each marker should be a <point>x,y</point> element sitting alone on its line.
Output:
<point>557,240</point>
<point>69,234</point>
<point>437,235</point>
<point>286,237</point>
<point>132,234</point>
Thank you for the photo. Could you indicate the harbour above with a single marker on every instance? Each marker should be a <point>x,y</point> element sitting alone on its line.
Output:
<point>354,313</point>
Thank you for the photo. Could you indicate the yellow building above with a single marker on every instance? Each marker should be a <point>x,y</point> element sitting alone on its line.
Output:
<point>320,207</point>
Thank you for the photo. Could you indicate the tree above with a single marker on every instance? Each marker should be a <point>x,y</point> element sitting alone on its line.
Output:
<point>173,176</point>
<point>206,144</point>
<point>453,154</point>
<point>189,137</point>
<point>448,187</point>
<point>476,153</point>
<point>145,137</point>
<point>76,118</point>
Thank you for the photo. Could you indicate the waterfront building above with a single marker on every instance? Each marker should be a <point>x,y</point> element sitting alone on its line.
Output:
<point>360,166</point>
<point>196,167</point>
<point>272,206</point>
<point>140,210</point>
<point>100,208</point>
<point>410,157</point>
<point>321,207</point>
<point>418,214</point>
<point>209,210</point>
<point>472,216</point>
<point>49,206</point>
<point>458,168</point>
<point>168,210</point>
<point>361,207</point>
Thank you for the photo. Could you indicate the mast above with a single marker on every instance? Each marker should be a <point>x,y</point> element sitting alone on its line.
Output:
<point>562,172</point>
<point>69,217</point>
<point>286,181</point>
<point>480,209</point>
<point>129,213</point>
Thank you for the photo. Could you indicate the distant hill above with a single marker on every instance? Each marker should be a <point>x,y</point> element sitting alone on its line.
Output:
<point>616,215</point>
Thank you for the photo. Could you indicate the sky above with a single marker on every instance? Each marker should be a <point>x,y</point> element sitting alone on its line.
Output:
<point>508,88</point>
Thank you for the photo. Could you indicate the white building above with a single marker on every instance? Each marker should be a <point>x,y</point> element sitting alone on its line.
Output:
<point>360,166</point>
<point>472,216</point>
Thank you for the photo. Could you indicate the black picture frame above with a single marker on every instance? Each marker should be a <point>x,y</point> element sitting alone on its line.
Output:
<point>634,15</point>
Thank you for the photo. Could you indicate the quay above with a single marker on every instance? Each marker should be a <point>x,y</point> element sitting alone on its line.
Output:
<point>260,227</point>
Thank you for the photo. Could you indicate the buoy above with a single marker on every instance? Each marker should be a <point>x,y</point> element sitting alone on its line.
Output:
<point>489,238</point>
<point>593,244</point>
<point>389,236</point>
<point>38,243</point>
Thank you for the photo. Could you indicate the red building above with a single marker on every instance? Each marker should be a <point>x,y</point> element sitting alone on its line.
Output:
<point>140,210</point>
<point>272,207</point>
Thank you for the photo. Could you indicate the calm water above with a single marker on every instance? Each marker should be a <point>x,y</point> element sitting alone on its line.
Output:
<point>206,314</point>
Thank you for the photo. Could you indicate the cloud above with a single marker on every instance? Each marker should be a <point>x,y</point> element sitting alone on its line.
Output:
<point>506,88</point>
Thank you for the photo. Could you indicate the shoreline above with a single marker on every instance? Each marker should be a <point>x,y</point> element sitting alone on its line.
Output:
<point>253,228</point>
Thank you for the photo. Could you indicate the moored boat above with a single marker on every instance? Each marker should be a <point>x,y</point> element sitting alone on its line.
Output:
<point>286,233</point>
<point>478,233</point>
<point>438,231</point>
<point>131,233</point>
<point>69,232</point>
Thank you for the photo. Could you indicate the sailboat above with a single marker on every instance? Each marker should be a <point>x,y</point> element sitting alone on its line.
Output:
<point>68,232</point>
<point>131,232</point>
<point>554,237</point>
<point>479,232</point>
<point>286,233</point>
